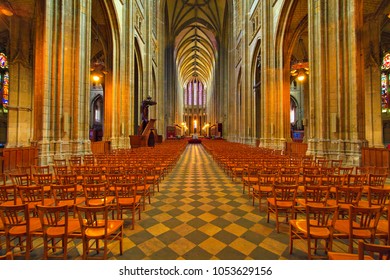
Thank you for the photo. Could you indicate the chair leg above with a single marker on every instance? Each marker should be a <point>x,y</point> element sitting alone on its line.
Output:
<point>291,240</point>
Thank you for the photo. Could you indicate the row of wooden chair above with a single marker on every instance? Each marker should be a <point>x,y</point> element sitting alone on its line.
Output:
<point>56,228</point>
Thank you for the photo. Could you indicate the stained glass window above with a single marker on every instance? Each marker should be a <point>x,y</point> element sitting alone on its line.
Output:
<point>385,77</point>
<point>386,62</point>
<point>195,93</point>
<point>200,94</point>
<point>4,82</point>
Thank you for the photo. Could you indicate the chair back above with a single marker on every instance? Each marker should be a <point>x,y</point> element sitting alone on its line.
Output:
<point>21,179</point>
<point>125,190</point>
<point>8,193</point>
<point>15,215</point>
<point>312,180</point>
<point>93,218</point>
<point>377,180</point>
<point>356,180</point>
<point>31,194</point>
<point>321,218</point>
<point>378,196</point>
<point>59,162</point>
<point>64,192</point>
<point>316,194</point>
<point>95,194</point>
<point>41,169</point>
<point>53,218</point>
<point>284,193</point>
<point>376,251</point>
<point>364,219</point>
<point>348,195</point>
<point>44,179</point>
<point>66,179</point>
<point>92,178</point>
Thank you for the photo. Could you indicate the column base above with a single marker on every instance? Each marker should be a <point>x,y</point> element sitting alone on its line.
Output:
<point>50,150</point>
<point>347,150</point>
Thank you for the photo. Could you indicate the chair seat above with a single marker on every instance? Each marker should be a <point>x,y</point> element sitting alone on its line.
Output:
<point>301,225</point>
<point>100,201</point>
<point>346,256</point>
<point>70,203</point>
<point>123,201</point>
<point>35,225</point>
<point>260,188</point>
<point>12,202</point>
<point>383,226</point>
<point>280,204</point>
<point>302,202</point>
<point>342,226</point>
<point>113,226</point>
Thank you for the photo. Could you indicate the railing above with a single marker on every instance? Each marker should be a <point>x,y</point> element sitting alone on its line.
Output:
<point>14,158</point>
<point>101,147</point>
<point>296,148</point>
<point>378,157</point>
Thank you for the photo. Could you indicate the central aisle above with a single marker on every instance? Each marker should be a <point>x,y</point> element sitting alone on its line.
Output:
<point>200,213</point>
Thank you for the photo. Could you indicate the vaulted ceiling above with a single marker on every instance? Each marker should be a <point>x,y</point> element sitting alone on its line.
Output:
<point>195,26</point>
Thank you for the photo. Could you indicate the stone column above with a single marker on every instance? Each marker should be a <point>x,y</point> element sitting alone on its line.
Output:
<point>21,109</point>
<point>273,122</point>
<point>372,77</point>
<point>336,87</point>
<point>62,54</point>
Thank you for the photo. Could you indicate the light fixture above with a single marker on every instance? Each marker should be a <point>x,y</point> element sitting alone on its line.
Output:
<point>6,8</point>
<point>300,68</point>
<point>98,70</point>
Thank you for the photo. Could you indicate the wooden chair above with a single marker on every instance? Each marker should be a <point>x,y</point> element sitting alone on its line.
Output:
<point>32,196</point>
<point>263,189</point>
<point>55,226</point>
<point>282,202</point>
<point>9,195</point>
<point>346,197</point>
<point>67,195</point>
<point>20,179</point>
<point>375,180</point>
<point>366,251</point>
<point>318,225</point>
<point>127,198</point>
<point>313,195</point>
<point>41,169</point>
<point>45,180</point>
<point>19,228</point>
<point>362,223</point>
<point>95,226</point>
<point>250,177</point>
<point>89,159</point>
<point>92,178</point>
<point>60,162</point>
<point>98,194</point>
<point>383,228</point>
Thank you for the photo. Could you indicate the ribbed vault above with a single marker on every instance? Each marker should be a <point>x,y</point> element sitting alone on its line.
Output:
<point>195,26</point>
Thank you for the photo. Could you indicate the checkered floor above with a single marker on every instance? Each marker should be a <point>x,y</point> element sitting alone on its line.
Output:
<point>200,214</point>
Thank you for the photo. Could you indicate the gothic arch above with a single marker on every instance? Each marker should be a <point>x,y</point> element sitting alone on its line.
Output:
<point>138,78</point>
<point>292,23</point>
<point>256,86</point>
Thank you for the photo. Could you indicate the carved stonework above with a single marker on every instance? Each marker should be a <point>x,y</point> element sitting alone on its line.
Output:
<point>139,22</point>
<point>255,21</point>
<point>238,52</point>
<point>238,11</point>
<point>154,25</point>
<point>154,51</point>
